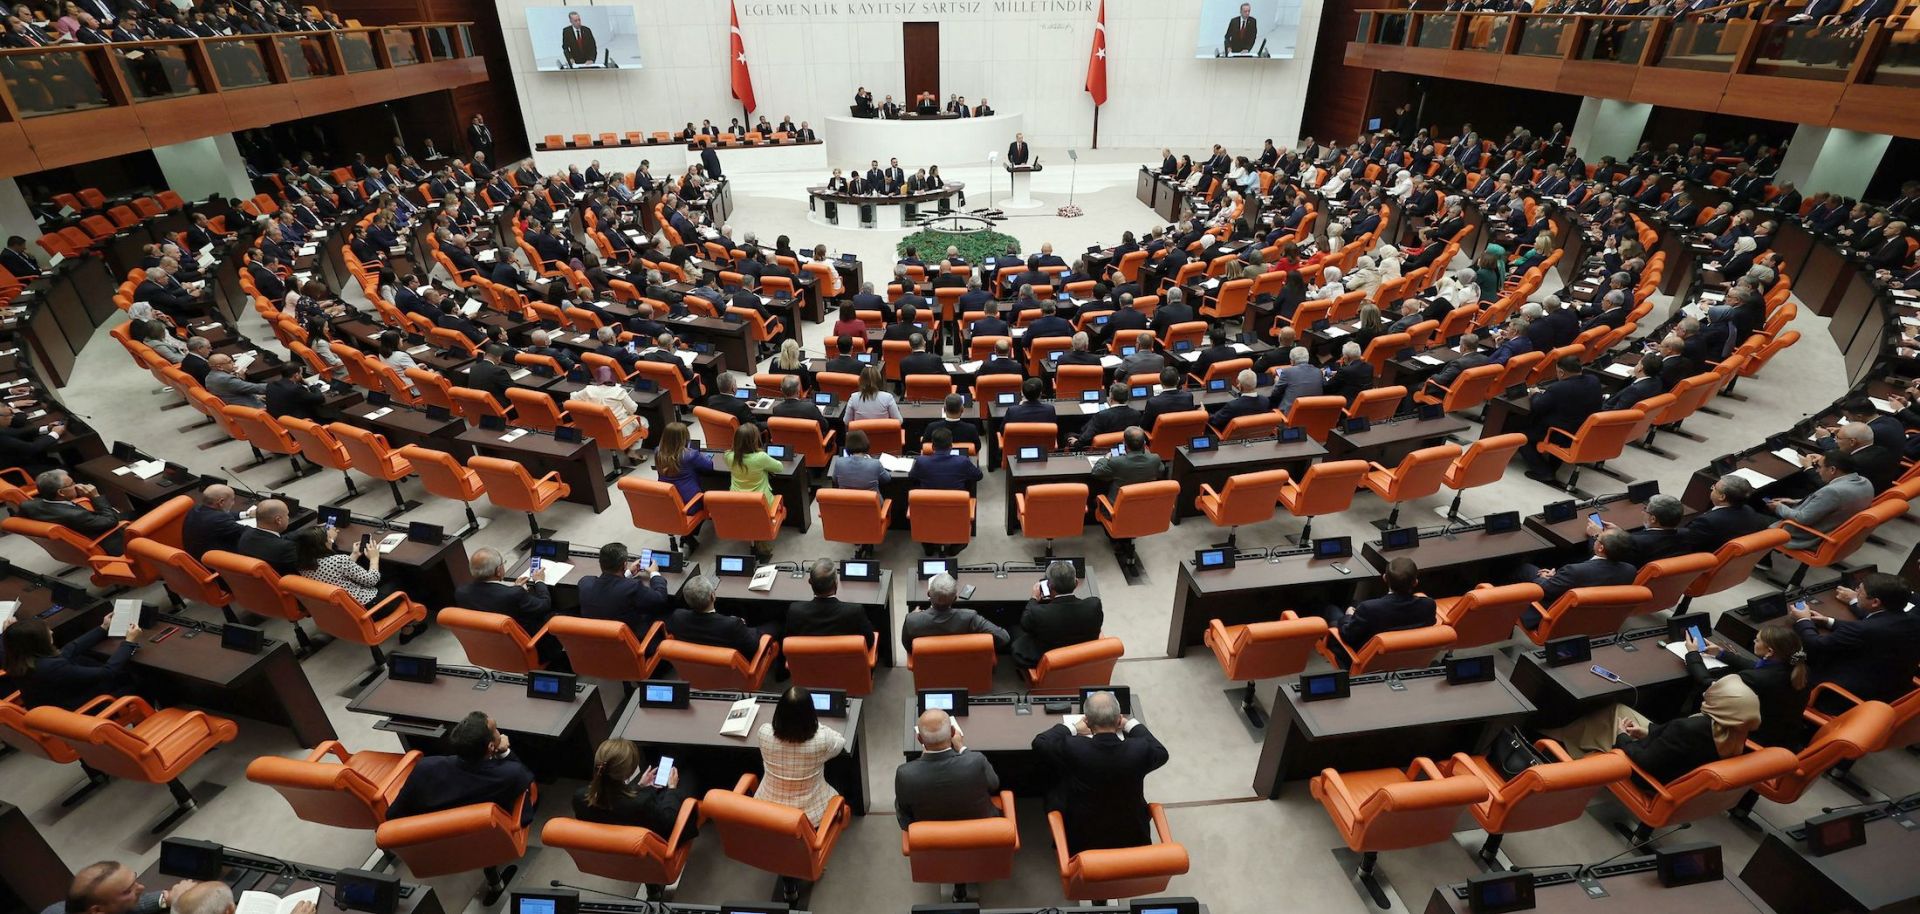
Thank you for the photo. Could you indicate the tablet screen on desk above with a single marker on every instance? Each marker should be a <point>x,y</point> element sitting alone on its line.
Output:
<point>1639,492</point>
<point>191,859</point>
<point>1030,455</point>
<point>1164,906</point>
<point>1211,559</point>
<point>334,515</point>
<point>777,451</point>
<point>1090,396</point>
<point>734,565</point>
<point>1558,511</point>
<point>1400,538</point>
<point>1321,686</point>
<point>1680,625</point>
<point>557,902</point>
<point>1004,399</point>
<point>1500,892</point>
<point>1139,393</point>
<point>1432,410</point>
<point>1462,670</point>
<point>1569,650</point>
<point>828,702</point>
<point>1357,424</point>
<point>1293,433</point>
<point>931,567</point>
<point>823,398</point>
<point>859,570</point>
<point>1333,547</point>
<point>412,667</point>
<point>664,693</point>
<point>1217,384</point>
<point>551,686</point>
<point>1503,522</point>
<point>551,550</point>
<point>367,891</point>
<point>423,532</point>
<point>952,701</point>
<point>1201,444</point>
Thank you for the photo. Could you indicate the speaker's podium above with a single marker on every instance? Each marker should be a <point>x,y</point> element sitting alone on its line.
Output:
<point>1020,176</point>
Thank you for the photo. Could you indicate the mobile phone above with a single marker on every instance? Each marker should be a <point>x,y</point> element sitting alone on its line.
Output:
<point>1594,518</point>
<point>664,771</point>
<point>1697,640</point>
<point>365,538</point>
<point>646,557</point>
<point>1604,673</point>
<point>164,634</point>
<point>966,592</point>
<point>1046,592</point>
<point>533,565</point>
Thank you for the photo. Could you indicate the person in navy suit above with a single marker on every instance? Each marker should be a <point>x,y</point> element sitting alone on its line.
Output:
<point>524,599</point>
<point>1244,402</point>
<point>1731,517</point>
<point>69,677</point>
<point>482,769</point>
<point>1599,571</point>
<point>625,591</point>
<point>1874,656</point>
<point>1033,406</point>
<point>1565,405</point>
<point>1646,383</point>
<point>1400,608</point>
<point>1170,399</point>
<point>1048,323</point>
<point>943,469</point>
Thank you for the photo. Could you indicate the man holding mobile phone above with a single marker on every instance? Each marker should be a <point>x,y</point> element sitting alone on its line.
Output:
<point>626,591</point>
<point>1055,617</point>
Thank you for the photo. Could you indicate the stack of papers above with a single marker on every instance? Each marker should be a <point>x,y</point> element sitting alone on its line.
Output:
<point>1335,331</point>
<point>1091,408</point>
<point>1110,361</point>
<point>551,572</point>
<point>8,610</point>
<point>893,463</point>
<point>380,413</point>
<point>1620,370</point>
<point>126,614</point>
<point>1789,455</point>
<point>1753,476</point>
<point>142,469</point>
<point>1425,359</point>
<point>1885,406</point>
<point>686,357</point>
<point>514,435</point>
<point>1679,649</point>
<point>268,903</point>
<point>969,367</point>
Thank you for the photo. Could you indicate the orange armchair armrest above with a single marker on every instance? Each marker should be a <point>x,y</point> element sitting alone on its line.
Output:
<point>552,476</point>
<point>127,711</point>
<point>1160,828</point>
<point>92,705</point>
<point>398,600</point>
<point>1207,489</point>
<point>698,500</point>
<point>1423,769</point>
<point>96,541</point>
<point>1556,752</point>
<point>1659,788</point>
<point>1784,524</point>
<point>331,747</point>
<point>1336,789</point>
<point>835,814</point>
<point>1561,432</point>
<point>688,808</point>
<point>1827,688</point>
<point>1058,825</point>
<point>392,781</point>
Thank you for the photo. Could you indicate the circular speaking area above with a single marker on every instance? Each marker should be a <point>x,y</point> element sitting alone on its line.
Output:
<point>1043,457</point>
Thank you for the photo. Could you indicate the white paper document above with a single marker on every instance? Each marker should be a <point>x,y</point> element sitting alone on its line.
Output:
<point>552,572</point>
<point>1679,649</point>
<point>739,720</point>
<point>1752,476</point>
<point>269,903</point>
<point>126,614</point>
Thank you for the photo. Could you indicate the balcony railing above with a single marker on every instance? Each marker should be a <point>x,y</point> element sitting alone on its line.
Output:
<point>1611,56</point>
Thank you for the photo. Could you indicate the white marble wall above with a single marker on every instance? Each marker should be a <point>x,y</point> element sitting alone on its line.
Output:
<point>808,56</point>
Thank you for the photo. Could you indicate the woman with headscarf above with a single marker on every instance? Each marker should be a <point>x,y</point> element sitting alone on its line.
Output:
<point>1402,185</point>
<point>1729,713</point>
<point>1337,184</point>
<point>1365,276</point>
<point>1741,260</point>
<point>1388,260</point>
<point>1777,674</point>
<point>1330,284</point>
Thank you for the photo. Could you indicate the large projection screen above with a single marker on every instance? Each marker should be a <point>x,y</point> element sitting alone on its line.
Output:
<point>1248,29</point>
<point>584,37</point>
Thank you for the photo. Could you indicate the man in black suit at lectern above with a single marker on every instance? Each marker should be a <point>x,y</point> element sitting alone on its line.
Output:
<point>1017,150</point>
<point>1241,31</point>
<point>576,42</point>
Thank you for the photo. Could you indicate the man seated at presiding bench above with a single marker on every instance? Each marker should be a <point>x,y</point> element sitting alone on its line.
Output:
<point>482,769</point>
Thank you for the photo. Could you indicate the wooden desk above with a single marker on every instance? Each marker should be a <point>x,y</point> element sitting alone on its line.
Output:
<point>1633,887</point>
<point>1057,468</point>
<point>131,495</point>
<point>1387,442</point>
<point>1876,876</point>
<point>1571,534</point>
<point>692,736</point>
<point>1237,458</point>
<point>404,425</point>
<point>555,738</point>
<point>875,597</point>
<point>727,338</point>
<point>1507,414</point>
<point>1762,460</point>
<point>1377,727</point>
<point>191,667</point>
<point>428,572</point>
<point>997,726</point>
<point>1655,681</point>
<point>1455,563</point>
<point>578,463</point>
<point>794,485</point>
<point>32,875</point>
<point>246,871</point>
<point>1247,592</point>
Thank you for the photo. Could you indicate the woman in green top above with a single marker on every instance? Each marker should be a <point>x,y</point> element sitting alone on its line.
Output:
<point>751,467</point>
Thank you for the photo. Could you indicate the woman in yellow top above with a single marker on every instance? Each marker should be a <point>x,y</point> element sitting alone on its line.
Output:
<point>750,467</point>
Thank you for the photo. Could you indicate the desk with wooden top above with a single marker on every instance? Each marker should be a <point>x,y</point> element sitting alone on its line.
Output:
<point>1237,458</point>
<point>692,736</point>
<point>1379,727</point>
<point>402,425</point>
<point>1654,681</point>
<point>577,462</point>
<point>1003,727</point>
<point>1071,467</point>
<point>1876,876</point>
<point>1001,592</point>
<point>245,871</point>
<point>794,485</point>
<point>790,586</point>
<point>429,573</point>
<point>131,495</point>
<point>555,738</point>
<point>190,667</point>
<point>1258,588</point>
<point>1572,533</point>
<point>1387,442</point>
<point>564,591</point>
<point>1457,561</point>
<point>32,875</point>
<point>1761,460</point>
<point>1632,886</point>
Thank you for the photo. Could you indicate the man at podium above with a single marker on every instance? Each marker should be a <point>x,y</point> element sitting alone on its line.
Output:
<point>576,42</point>
<point>1017,150</point>
<point>1241,31</point>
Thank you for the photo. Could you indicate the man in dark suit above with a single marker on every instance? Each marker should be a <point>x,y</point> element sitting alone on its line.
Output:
<point>15,259</point>
<point>1218,350</point>
<point>953,418</point>
<point>577,45</point>
<point>1002,360</point>
<point>1659,539</point>
<point>1170,399</point>
<point>723,400</point>
<point>268,540</point>
<point>211,523</point>
<point>482,769</point>
<point>946,782</point>
<point>825,615</point>
<point>1017,150</point>
<point>844,361</point>
<point>1646,383</point>
<point>793,406</point>
<point>1731,517</point>
<point>1116,417</point>
<point>1174,310</point>
<point>1055,618</point>
<point>1244,403</point>
<point>1603,569</point>
<point>1564,404</point>
<point>625,591</point>
<point>1048,323</point>
<point>697,623</point>
<point>480,137</point>
<point>1101,775</point>
<point>943,469</point>
<point>1033,406</point>
<point>290,395</point>
<point>195,362</point>
<point>57,503</point>
<point>489,375</point>
<point>1398,609</point>
<point>919,361</point>
<point>526,600</point>
<point>1872,657</point>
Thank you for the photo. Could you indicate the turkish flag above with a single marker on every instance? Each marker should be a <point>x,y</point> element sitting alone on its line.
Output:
<point>1097,60</point>
<point>742,80</point>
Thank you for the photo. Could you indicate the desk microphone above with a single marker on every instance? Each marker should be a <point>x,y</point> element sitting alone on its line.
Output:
<point>234,478</point>
<point>641,905</point>
<point>1591,885</point>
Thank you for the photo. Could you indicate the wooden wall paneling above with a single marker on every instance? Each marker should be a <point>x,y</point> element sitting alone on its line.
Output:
<point>1879,109</point>
<point>1678,88</point>
<point>16,154</point>
<point>1542,73</point>
<point>261,106</point>
<point>1596,78</point>
<point>177,120</point>
<point>1337,88</point>
<point>82,136</point>
<point>1781,98</point>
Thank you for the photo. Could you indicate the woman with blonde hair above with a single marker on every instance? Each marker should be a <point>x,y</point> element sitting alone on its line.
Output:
<point>790,360</point>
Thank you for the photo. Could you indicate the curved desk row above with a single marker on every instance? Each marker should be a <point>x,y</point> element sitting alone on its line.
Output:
<point>875,211</point>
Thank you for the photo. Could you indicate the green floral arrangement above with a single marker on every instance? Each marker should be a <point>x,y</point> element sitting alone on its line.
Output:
<point>976,247</point>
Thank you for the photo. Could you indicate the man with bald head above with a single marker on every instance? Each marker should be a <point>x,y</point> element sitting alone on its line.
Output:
<point>212,523</point>
<point>110,887</point>
<point>267,541</point>
<point>1101,763</point>
<point>946,782</point>
<point>233,390</point>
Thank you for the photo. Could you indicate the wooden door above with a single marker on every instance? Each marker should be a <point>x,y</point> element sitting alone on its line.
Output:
<point>920,57</point>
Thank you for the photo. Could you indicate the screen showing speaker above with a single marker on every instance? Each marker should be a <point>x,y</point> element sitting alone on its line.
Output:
<point>584,37</point>
<point>1253,29</point>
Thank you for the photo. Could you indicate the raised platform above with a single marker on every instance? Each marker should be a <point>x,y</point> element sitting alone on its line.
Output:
<point>673,158</point>
<point>921,142</point>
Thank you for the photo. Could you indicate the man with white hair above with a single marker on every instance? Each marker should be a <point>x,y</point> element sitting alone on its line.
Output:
<point>1298,379</point>
<point>1244,402</point>
<point>942,618</point>
<point>525,600</point>
<point>1101,762</point>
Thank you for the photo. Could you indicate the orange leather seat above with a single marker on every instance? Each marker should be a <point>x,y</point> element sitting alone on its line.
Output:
<point>15,733</point>
<point>536,410</point>
<point>1376,404</point>
<point>1175,430</point>
<point>1073,380</point>
<point>479,836</point>
<point>1059,509</point>
<point>1263,650</point>
<point>1017,435</point>
<point>1387,809</point>
<point>963,851</point>
<point>719,668</point>
<point>255,587</point>
<point>1100,874</point>
<point>605,648</point>
<point>1316,415</point>
<point>884,436</point>
<point>1589,611</point>
<point>128,739</point>
<point>1483,462</point>
<point>1068,668</point>
<point>853,516</point>
<point>941,516</point>
<point>953,662</point>
<point>1142,509</point>
<point>369,453</point>
<point>1601,438</point>
<point>1542,796</point>
<point>335,612</point>
<point>442,475</point>
<point>716,427</point>
<point>626,853</point>
<point>803,437</point>
<point>1327,488</point>
<point>1705,791</point>
<point>1842,542</point>
<point>1248,498</point>
<point>495,641</point>
<point>1667,579</point>
<point>185,578</point>
<point>1419,475</point>
<point>1856,732</point>
<point>352,791</point>
<point>774,837</point>
<point>843,662</point>
<point>1486,615</point>
<point>747,516</point>
<point>67,547</point>
<point>1406,649</point>
<point>656,507</point>
<point>1256,425</point>
<point>510,486</point>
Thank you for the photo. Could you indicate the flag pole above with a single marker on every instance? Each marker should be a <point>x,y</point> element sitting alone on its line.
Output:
<point>1096,126</point>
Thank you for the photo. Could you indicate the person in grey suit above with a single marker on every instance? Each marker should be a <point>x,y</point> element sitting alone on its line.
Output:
<point>55,503</point>
<point>856,469</point>
<point>1844,494</point>
<point>1472,358</point>
<point>941,618</point>
<point>1298,379</point>
<point>946,783</point>
<point>231,388</point>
